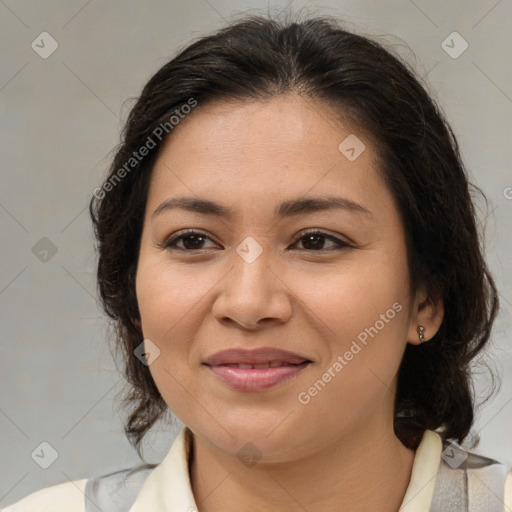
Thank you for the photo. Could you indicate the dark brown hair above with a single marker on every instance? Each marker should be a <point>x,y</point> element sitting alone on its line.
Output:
<point>259,57</point>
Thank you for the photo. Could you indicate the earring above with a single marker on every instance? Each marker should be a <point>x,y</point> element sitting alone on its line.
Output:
<point>421,331</point>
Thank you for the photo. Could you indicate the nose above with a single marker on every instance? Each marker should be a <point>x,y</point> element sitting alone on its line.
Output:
<point>254,293</point>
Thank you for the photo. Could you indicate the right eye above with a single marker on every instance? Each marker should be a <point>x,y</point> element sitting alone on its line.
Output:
<point>191,240</point>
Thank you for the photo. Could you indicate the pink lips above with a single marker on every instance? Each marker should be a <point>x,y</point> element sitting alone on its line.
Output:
<point>255,370</point>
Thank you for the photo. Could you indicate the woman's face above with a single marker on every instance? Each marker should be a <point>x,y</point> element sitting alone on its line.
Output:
<point>255,279</point>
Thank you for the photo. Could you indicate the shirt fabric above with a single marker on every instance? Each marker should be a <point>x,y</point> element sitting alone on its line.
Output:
<point>436,485</point>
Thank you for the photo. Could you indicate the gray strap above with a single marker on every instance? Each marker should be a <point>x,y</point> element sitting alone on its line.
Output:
<point>477,484</point>
<point>116,492</point>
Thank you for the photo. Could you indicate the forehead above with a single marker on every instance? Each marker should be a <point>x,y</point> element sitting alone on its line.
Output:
<point>265,150</point>
<point>289,123</point>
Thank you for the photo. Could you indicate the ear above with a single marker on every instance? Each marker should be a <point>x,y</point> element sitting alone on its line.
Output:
<point>426,312</point>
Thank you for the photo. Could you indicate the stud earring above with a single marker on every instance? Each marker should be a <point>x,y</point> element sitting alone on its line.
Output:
<point>421,331</point>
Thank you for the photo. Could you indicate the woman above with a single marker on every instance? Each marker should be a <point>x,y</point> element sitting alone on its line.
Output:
<point>288,246</point>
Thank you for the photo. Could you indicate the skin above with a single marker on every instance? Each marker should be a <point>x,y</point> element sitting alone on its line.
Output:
<point>319,456</point>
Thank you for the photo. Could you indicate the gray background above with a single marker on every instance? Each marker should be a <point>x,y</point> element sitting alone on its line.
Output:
<point>61,118</point>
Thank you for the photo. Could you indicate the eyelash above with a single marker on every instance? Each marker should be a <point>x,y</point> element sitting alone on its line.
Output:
<point>170,243</point>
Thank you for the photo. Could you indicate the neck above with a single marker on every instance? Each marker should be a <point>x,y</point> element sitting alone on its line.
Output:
<point>366,470</point>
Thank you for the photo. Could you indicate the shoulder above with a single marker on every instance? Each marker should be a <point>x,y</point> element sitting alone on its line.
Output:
<point>115,492</point>
<point>470,479</point>
<point>65,497</point>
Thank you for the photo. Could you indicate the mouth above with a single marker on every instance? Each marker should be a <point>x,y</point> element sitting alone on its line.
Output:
<point>257,370</point>
<point>259,366</point>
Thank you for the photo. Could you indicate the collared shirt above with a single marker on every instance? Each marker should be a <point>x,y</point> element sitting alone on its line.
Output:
<point>166,487</point>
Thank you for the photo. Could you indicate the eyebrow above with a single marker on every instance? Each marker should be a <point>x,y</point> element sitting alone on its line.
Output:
<point>289,208</point>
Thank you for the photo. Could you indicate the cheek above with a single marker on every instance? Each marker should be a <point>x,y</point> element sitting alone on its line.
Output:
<point>352,298</point>
<point>166,303</point>
<point>166,294</point>
<point>364,310</point>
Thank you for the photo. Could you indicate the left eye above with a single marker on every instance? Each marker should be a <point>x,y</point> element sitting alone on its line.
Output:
<point>315,240</point>
<point>312,241</point>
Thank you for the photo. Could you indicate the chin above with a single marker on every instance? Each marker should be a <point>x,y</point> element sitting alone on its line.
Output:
<point>255,441</point>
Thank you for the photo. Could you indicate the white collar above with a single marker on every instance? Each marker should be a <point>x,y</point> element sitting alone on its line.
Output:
<point>168,489</point>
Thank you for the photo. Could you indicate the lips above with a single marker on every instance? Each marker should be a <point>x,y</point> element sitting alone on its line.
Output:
<point>247,366</point>
<point>260,356</point>
<point>255,370</point>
